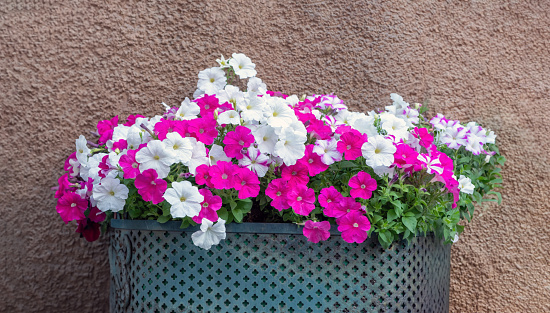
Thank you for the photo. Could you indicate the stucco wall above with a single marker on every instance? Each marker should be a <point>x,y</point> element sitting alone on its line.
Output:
<point>66,65</point>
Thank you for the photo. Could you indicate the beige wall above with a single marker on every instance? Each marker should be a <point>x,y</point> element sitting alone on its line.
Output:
<point>65,66</point>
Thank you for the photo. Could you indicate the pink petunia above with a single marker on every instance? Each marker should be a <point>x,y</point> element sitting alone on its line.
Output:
<point>405,156</point>
<point>72,165</point>
<point>313,161</point>
<point>342,208</point>
<point>354,227</point>
<point>222,174</point>
<point>129,165</point>
<point>131,120</point>
<point>350,145</point>
<point>71,207</point>
<point>120,145</point>
<point>204,129</point>
<point>202,176</point>
<point>277,190</point>
<point>330,197</point>
<point>362,185</point>
<point>207,104</point>
<point>426,139</point>
<point>164,127</point>
<point>247,183</point>
<point>318,129</point>
<point>64,186</point>
<point>90,230</point>
<point>295,174</point>
<point>95,215</point>
<point>105,129</point>
<point>301,199</point>
<point>150,187</point>
<point>316,231</point>
<point>235,141</point>
<point>105,167</point>
<point>209,206</point>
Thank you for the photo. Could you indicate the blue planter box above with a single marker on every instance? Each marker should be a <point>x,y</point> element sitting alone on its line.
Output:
<point>272,268</point>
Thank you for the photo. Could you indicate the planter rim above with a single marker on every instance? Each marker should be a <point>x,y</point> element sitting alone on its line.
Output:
<point>250,228</point>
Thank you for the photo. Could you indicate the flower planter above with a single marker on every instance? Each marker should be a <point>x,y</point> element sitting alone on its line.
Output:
<point>272,268</point>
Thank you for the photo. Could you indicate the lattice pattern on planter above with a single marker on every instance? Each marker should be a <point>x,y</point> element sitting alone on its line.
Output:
<point>275,273</point>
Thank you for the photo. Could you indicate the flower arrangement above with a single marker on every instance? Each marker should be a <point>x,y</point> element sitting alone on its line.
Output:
<point>258,155</point>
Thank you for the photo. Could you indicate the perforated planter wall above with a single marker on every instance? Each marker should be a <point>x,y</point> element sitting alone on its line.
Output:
<point>272,268</point>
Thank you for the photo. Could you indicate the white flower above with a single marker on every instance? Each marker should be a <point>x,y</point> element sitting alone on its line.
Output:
<point>242,65</point>
<point>120,132</point>
<point>383,170</point>
<point>209,234</point>
<point>291,146</point>
<point>82,150</point>
<point>394,126</point>
<point>454,137</point>
<point>198,156</point>
<point>433,165</point>
<point>110,194</point>
<point>455,239</point>
<point>365,125</point>
<point>465,185</point>
<point>223,62</point>
<point>490,137</point>
<point>265,138</point>
<point>229,117</point>
<point>256,86</point>
<point>157,157</point>
<point>182,146</point>
<point>378,151</point>
<point>278,113</point>
<point>410,116</point>
<point>252,109</point>
<point>231,94</point>
<point>137,136</point>
<point>91,169</point>
<point>327,149</point>
<point>75,166</point>
<point>216,154</point>
<point>188,110</point>
<point>255,161</point>
<point>474,144</point>
<point>184,198</point>
<point>211,80</point>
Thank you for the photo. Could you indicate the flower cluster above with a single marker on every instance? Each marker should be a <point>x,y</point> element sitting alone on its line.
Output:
<point>308,160</point>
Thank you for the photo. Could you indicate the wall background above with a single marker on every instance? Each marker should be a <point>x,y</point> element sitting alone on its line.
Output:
<point>66,65</point>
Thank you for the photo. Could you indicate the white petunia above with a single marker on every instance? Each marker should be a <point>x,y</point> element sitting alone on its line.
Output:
<point>465,185</point>
<point>490,137</point>
<point>211,80</point>
<point>188,110</point>
<point>291,146</point>
<point>265,138</point>
<point>242,65</point>
<point>455,239</point>
<point>231,94</point>
<point>198,156</point>
<point>223,62</point>
<point>454,137</point>
<point>91,169</point>
<point>256,86</point>
<point>378,151</point>
<point>278,113</point>
<point>394,126</point>
<point>365,125</point>
<point>182,146</point>
<point>474,144</point>
<point>120,132</point>
<point>216,154</point>
<point>229,117</point>
<point>209,234</point>
<point>156,156</point>
<point>328,151</point>
<point>82,150</point>
<point>184,198</point>
<point>110,195</point>
<point>252,109</point>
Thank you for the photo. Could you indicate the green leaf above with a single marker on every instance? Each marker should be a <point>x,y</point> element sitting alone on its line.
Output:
<point>222,213</point>
<point>163,219</point>
<point>232,204</point>
<point>375,218</point>
<point>347,164</point>
<point>410,223</point>
<point>392,215</point>
<point>499,196</point>
<point>238,215</point>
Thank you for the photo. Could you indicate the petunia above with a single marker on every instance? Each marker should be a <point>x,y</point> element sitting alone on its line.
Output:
<point>150,187</point>
<point>210,234</point>
<point>432,165</point>
<point>185,199</point>
<point>465,185</point>
<point>296,174</point>
<point>354,227</point>
<point>256,161</point>
<point>378,151</point>
<point>291,146</point>
<point>82,150</point>
<point>342,208</point>
<point>72,165</point>
<point>237,140</point>
<point>242,65</point>
<point>330,197</point>
<point>328,150</point>
<point>247,183</point>
<point>229,117</point>
<point>350,144</point>
<point>110,195</point>
<point>265,138</point>
<point>105,129</point>
<point>207,104</point>
<point>182,147</point>
<point>198,156</point>
<point>90,230</point>
<point>313,161</point>
<point>156,156</point>
<point>316,231</point>
<point>277,191</point>
<point>209,206</point>
<point>362,185</point>
<point>211,80</point>
<point>130,167</point>
<point>204,129</point>
<point>222,175</point>
<point>71,207</point>
<point>301,199</point>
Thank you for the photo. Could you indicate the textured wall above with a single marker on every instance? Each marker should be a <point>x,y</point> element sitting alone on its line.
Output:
<point>64,66</point>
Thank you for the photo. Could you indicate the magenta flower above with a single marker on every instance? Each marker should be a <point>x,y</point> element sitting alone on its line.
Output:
<point>295,174</point>
<point>247,183</point>
<point>120,145</point>
<point>313,161</point>
<point>209,206</point>
<point>277,190</point>
<point>237,140</point>
<point>95,215</point>
<point>72,165</point>
<point>426,139</point>
<point>202,176</point>
<point>90,230</point>
<point>221,175</point>
<point>64,186</point>
<point>150,187</point>
<point>405,156</point>
<point>129,165</point>
<point>165,127</point>
<point>362,185</point>
<point>105,129</point>
<point>204,129</point>
<point>318,129</point>
<point>131,120</point>
<point>317,231</point>
<point>350,145</point>
<point>71,207</point>
<point>301,199</point>
<point>208,104</point>
<point>330,197</point>
<point>342,208</point>
<point>354,227</point>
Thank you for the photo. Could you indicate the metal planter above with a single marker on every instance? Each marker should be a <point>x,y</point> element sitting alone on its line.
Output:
<point>272,268</point>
